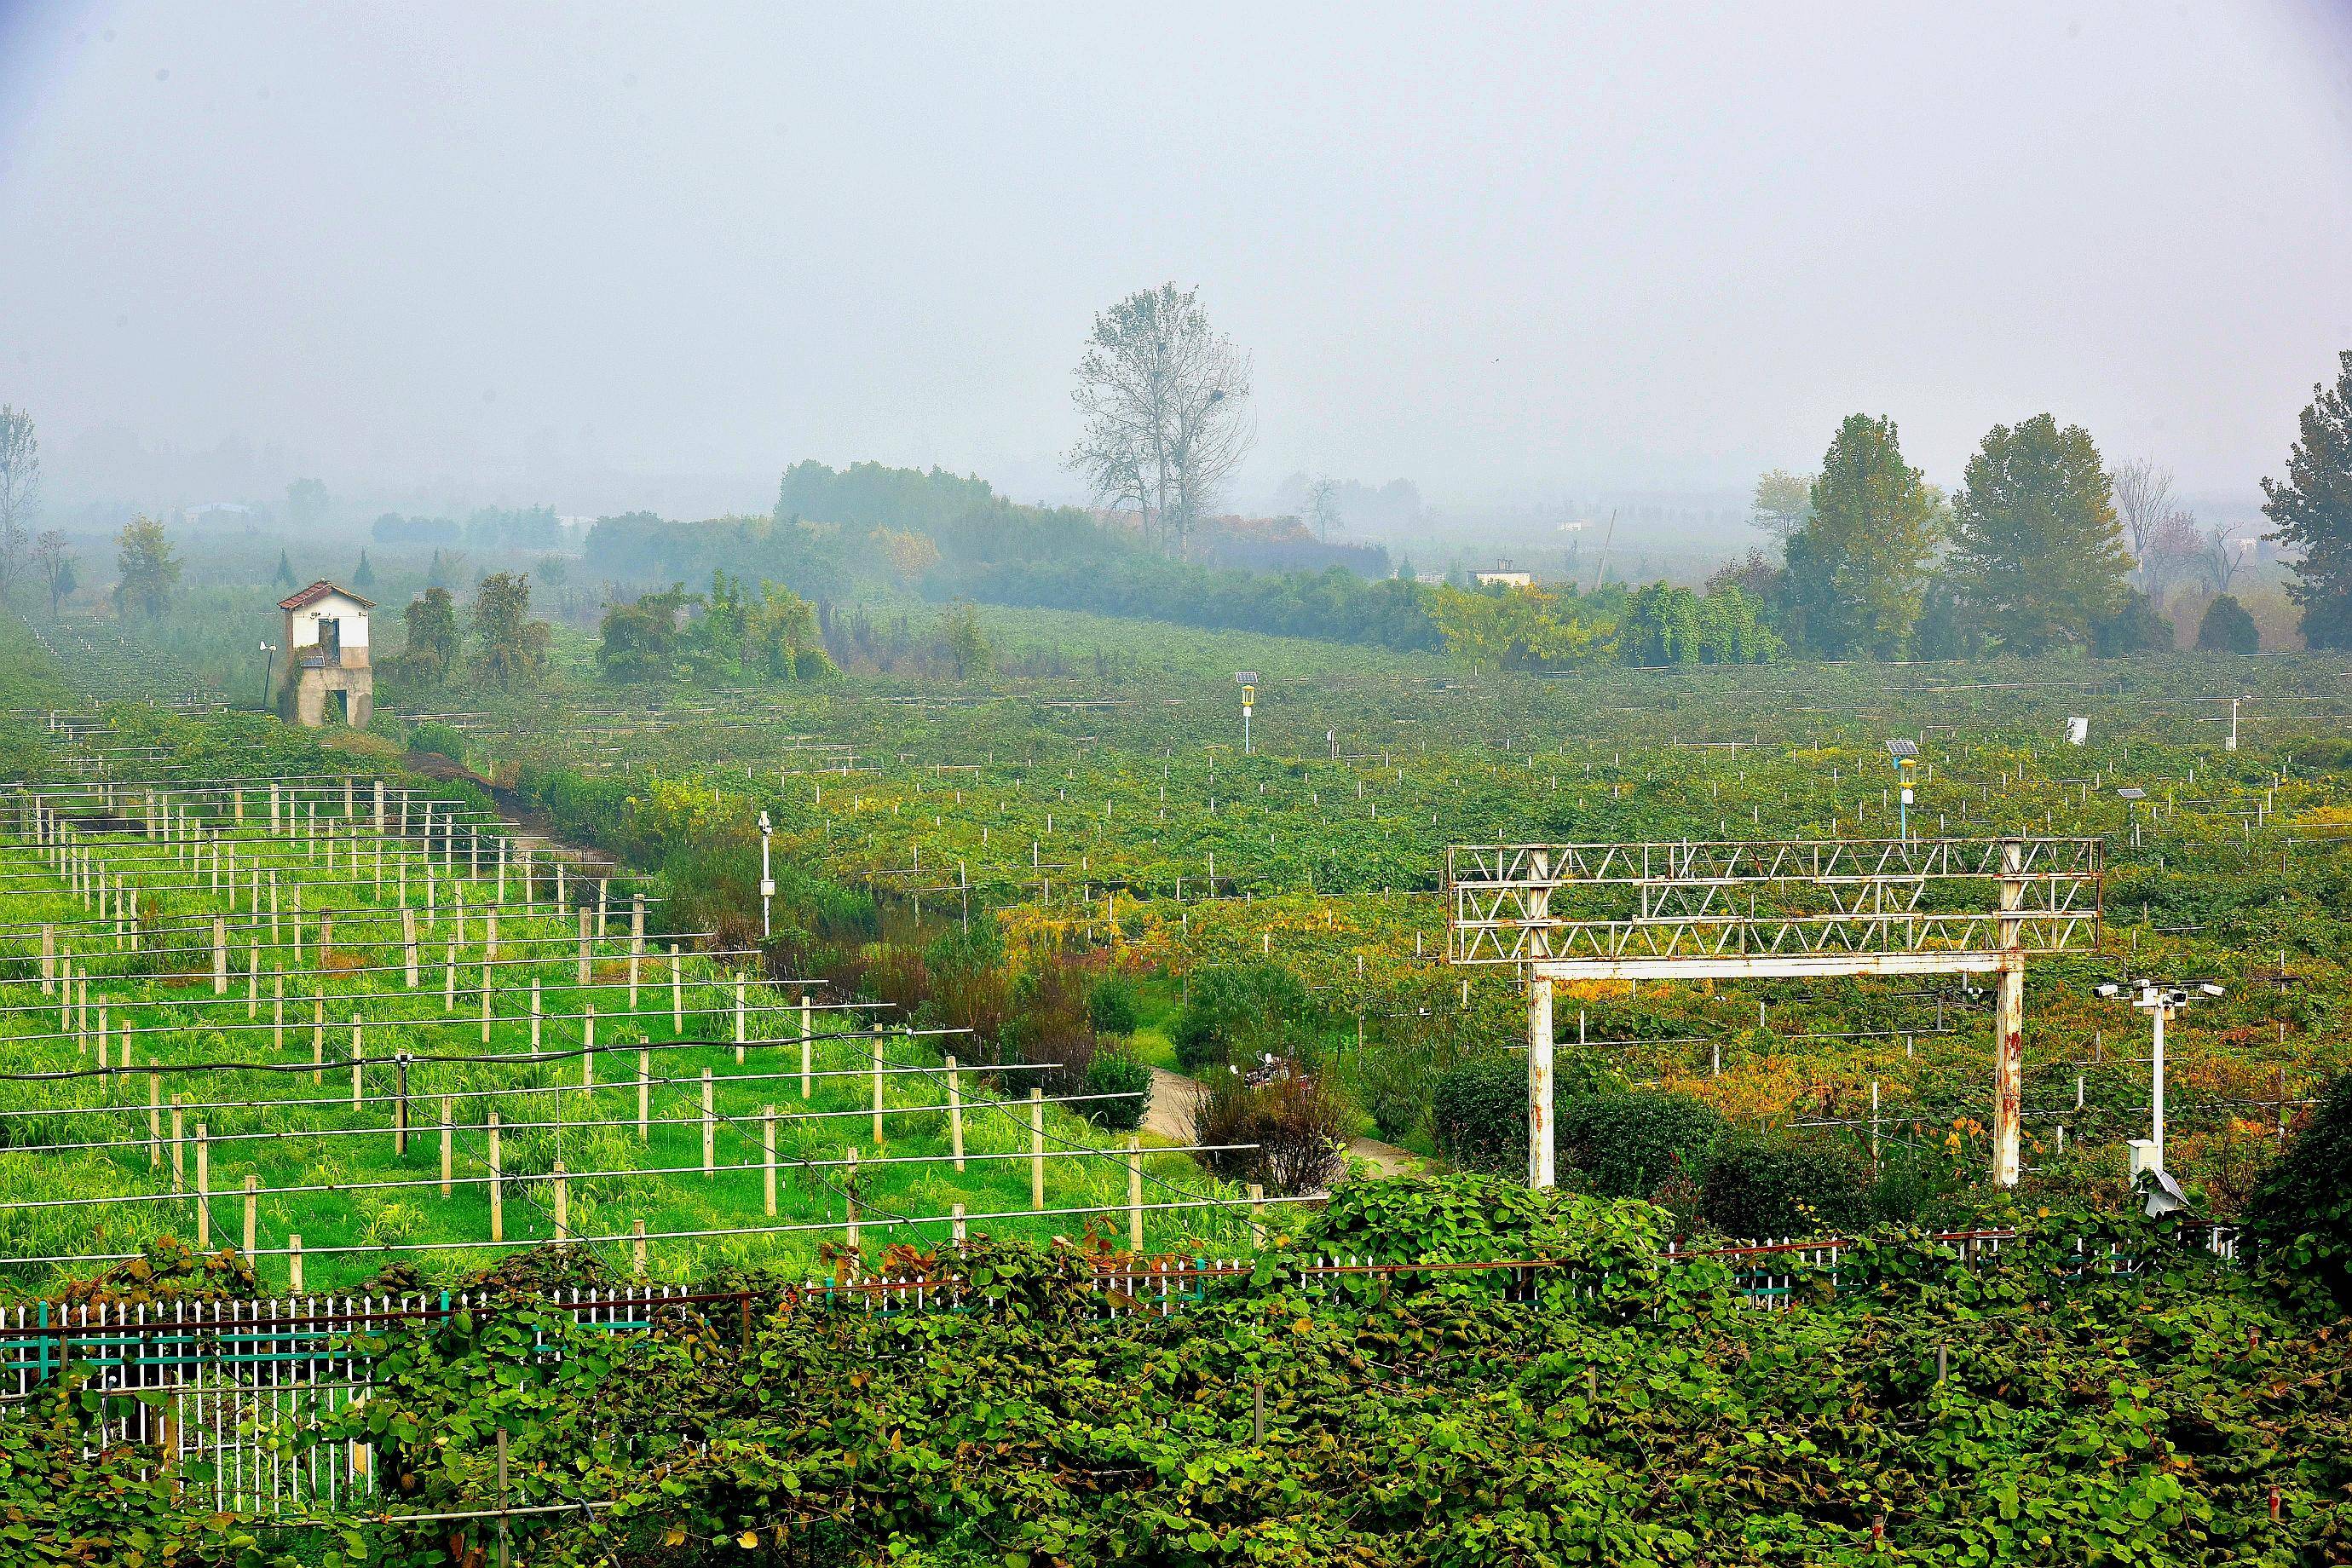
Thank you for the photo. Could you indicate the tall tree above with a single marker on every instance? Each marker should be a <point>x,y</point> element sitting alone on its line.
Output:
<point>306,503</point>
<point>2313,512</point>
<point>431,657</point>
<point>284,578</point>
<point>510,648</point>
<point>146,568</point>
<point>363,574</point>
<point>55,562</point>
<point>2036,550</point>
<point>1164,397</point>
<point>20,492</point>
<point>1858,563</point>
<point>1782,499</point>
<point>2143,503</point>
<point>53,558</point>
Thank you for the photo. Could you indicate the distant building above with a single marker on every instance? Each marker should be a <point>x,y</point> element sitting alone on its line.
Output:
<point>326,643</point>
<point>1503,577</point>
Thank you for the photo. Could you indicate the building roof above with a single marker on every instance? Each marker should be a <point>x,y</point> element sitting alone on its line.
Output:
<point>319,590</point>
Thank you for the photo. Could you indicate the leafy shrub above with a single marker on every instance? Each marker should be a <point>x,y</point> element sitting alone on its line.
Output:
<point>2227,627</point>
<point>1478,1114</point>
<point>2300,1212</point>
<point>1633,1145</point>
<point>1394,1082</point>
<point>1117,1070</point>
<point>442,740</point>
<point>1239,1014</point>
<point>1113,1005</point>
<point>1759,1187</point>
<point>1298,1125</point>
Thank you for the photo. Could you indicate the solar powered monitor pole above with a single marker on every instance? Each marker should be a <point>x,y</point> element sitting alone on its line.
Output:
<point>268,660</point>
<point>2159,1000</point>
<point>1905,754</point>
<point>767,880</point>
<point>1247,681</point>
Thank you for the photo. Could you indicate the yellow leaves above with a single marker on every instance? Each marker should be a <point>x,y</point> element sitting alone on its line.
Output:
<point>1303,1327</point>
<point>749,1540</point>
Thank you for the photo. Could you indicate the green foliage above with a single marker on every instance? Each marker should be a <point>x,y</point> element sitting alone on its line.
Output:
<point>2312,511</point>
<point>1759,1188</point>
<point>1639,1145</point>
<point>1665,625</point>
<point>1858,566</point>
<point>2036,550</point>
<point>1114,1006</point>
<point>430,657</point>
<point>2136,625</point>
<point>1116,1070</point>
<point>1239,1014</point>
<point>1334,604</point>
<point>2226,627</point>
<point>2300,1213</point>
<point>1478,1114</point>
<point>147,569</point>
<point>510,648</point>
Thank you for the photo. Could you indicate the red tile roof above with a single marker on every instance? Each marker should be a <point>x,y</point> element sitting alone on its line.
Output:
<point>319,590</point>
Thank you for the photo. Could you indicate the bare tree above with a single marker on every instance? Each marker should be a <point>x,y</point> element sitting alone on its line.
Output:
<point>2222,554</point>
<point>2175,551</point>
<point>2143,505</point>
<point>1323,507</point>
<point>20,492</point>
<point>54,559</point>
<point>1164,400</point>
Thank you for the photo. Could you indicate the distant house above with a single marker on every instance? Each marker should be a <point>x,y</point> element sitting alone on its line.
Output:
<point>327,669</point>
<point>1503,577</point>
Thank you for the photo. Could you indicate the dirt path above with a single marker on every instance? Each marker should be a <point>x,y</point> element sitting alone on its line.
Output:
<point>1173,1096</point>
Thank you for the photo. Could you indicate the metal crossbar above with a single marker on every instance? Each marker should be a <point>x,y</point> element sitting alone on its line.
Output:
<point>1535,903</point>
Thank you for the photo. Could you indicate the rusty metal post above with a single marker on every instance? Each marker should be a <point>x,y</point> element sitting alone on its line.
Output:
<point>1540,1166</point>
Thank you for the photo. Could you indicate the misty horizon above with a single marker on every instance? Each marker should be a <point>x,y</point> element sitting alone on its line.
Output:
<point>606,261</point>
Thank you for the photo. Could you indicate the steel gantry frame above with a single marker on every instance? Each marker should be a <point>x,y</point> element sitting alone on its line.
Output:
<point>1774,910</point>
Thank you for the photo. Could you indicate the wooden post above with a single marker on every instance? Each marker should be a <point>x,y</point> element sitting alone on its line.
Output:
<point>179,1147</point>
<point>154,1119</point>
<point>739,1018</point>
<point>534,1013</point>
<point>677,993</point>
<point>710,1128</point>
<point>446,1152</point>
<point>220,955</point>
<point>319,1038</point>
<point>768,1153</point>
<point>637,1247</point>
<point>955,1112</point>
<point>1135,1195</point>
<point>645,1092</point>
<point>1037,1149</point>
<point>252,1212</point>
<point>877,1088</point>
<point>808,1047</point>
<point>588,1044</point>
<point>956,1222</point>
<point>408,943</point>
<point>358,1057</point>
<point>294,1264</point>
<point>563,1203</point>
<point>1257,1214</point>
<point>584,945</point>
<point>497,1198</point>
<point>326,935</point>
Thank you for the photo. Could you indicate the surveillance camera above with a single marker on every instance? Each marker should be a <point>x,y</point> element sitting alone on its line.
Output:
<point>2109,988</point>
<point>2210,989</point>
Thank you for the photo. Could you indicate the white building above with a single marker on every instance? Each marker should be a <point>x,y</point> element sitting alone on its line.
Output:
<point>326,643</point>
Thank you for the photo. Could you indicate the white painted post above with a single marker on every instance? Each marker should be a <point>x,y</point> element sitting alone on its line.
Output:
<point>955,1112</point>
<point>497,1197</point>
<point>710,1128</point>
<point>768,1154</point>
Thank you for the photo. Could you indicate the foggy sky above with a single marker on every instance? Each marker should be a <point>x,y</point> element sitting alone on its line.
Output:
<point>1508,254</point>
